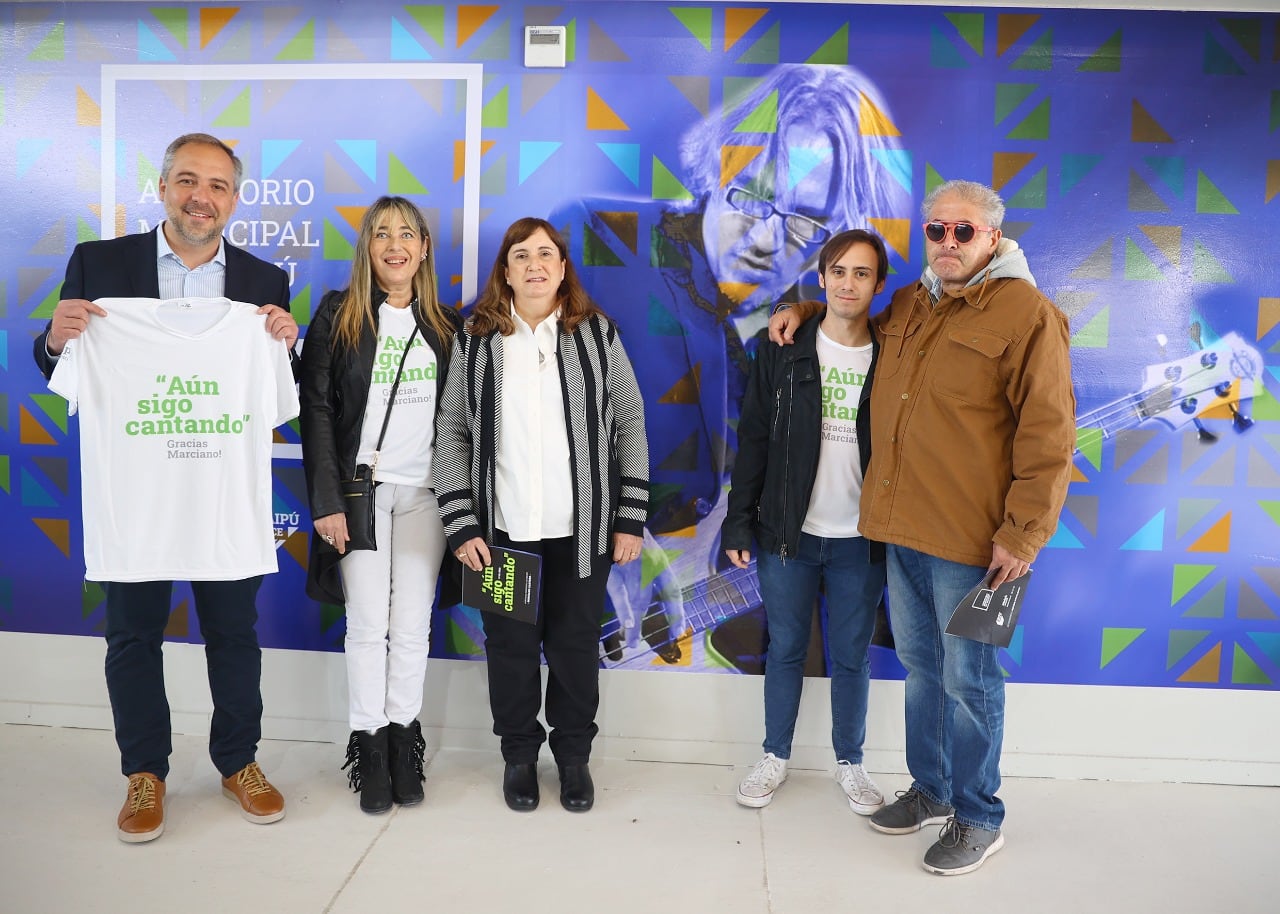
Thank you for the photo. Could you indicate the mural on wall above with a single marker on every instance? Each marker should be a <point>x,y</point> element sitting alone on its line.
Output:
<point>696,156</point>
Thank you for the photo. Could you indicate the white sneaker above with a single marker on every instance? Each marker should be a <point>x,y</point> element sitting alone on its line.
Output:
<point>757,788</point>
<point>864,796</point>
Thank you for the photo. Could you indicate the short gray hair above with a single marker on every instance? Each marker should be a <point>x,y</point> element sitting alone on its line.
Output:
<point>205,139</point>
<point>980,195</point>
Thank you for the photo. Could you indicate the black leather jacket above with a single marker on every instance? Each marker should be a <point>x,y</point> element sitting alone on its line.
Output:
<point>779,436</point>
<point>333,390</point>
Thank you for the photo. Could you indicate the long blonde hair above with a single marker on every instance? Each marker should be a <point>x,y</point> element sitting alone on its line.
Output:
<point>356,310</point>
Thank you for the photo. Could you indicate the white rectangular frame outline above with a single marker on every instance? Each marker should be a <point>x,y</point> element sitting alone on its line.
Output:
<point>472,74</point>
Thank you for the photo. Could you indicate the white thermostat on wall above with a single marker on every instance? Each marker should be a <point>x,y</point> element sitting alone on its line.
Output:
<point>544,45</point>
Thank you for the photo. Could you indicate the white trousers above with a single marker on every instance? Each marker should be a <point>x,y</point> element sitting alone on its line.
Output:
<point>390,593</point>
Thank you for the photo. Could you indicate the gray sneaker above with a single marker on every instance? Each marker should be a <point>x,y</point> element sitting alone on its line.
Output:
<point>911,812</point>
<point>961,849</point>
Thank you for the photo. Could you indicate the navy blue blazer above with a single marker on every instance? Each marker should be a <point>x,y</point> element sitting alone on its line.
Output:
<point>126,268</point>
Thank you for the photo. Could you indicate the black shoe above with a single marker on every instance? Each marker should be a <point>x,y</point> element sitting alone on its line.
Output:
<point>520,786</point>
<point>406,747</point>
<point>577,793</point>
<point>370,772</point>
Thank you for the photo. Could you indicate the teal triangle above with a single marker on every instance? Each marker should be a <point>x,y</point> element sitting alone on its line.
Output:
<point>1270,644</point>
<point>898,163</point>
<point>34,495</point>
<point>1015,646</point>
<point>532,154</point>
<point>626,156</point>
<point>29,151</point>
<point>661,321</point>
<point>404,46</point>
<point>4,350</point>
<point>1170,170</point>
<point>150,48</point>
<point>364,153</point>
<point>1216,59</point>
<point>276,151</point>
<point>1063,539</point>
<point>1073,170</point>
<point>943,54</point>
<point>804,159</point>
<point>1151,537</point>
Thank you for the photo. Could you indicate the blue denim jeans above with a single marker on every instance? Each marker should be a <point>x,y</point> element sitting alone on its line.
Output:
<point>790,587</point>
<point>954,689</point>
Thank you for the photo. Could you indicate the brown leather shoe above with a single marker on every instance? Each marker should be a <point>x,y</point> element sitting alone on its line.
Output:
<point>142,816</point>
<point>260,803</point>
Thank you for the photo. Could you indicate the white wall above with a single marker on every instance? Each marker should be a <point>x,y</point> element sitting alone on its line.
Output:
<point>1074,732</point>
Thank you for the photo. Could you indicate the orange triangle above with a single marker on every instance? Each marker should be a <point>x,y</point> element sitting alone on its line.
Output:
<point>737,22</point>
<point>1004,165</point>
<point>470,18</point>
<point>685,391</point>
<point>179,625</point>
<point>1268,315</point>
<point>1216,539</point>
<point>1206,669</point>
<point>213,19</point>
<point>738,292</point>
<point>1076,475</point>
<point>1168,238</point>
<point>88,114</point>
<point>58,531</point>
<point>1273,176</point>
<point>600,116</point>
<point>352,215</point>
<point>459,156</point>
<point>1145,127</point>
<point>30,431</point>
<point>896,233</point>
<point>872,122</point>
<point>735,158</point>
<point>1010,27</point>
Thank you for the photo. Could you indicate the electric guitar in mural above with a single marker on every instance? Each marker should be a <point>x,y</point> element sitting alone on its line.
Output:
<point>1215,379</point>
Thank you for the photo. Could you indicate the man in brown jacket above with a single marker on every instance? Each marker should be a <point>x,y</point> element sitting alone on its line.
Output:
<point>972,430</point>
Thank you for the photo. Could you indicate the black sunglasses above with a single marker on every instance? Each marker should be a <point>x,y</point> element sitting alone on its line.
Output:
<point>964,232</point>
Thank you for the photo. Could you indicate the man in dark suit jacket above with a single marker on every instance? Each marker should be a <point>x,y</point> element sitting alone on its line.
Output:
<point>184,257</point>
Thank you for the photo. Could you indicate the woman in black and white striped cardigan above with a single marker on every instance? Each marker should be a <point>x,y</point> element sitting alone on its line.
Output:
<point>569,482</point>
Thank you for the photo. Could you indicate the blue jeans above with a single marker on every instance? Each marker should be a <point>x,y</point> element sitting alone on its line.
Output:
<point>954,689</point>
<point>789,588</point>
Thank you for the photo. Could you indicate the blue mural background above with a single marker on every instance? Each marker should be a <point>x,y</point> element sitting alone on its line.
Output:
<point>1138,153</point>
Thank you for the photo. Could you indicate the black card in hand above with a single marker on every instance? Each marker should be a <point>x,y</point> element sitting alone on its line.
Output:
<point>987,615</point>
<point>509,586</point>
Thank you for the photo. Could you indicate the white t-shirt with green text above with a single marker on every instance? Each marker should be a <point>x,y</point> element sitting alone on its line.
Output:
<point>833,505</point>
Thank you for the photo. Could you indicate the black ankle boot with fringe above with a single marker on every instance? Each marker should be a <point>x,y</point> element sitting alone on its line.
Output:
<point>370,774</point>
<point>407,748</point>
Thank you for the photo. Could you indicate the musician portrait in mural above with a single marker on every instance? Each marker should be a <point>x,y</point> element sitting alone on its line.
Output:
<point>771,177</point>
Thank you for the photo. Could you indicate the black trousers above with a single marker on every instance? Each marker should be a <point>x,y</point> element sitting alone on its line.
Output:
<point>568,634</point>
<point>137,614</point>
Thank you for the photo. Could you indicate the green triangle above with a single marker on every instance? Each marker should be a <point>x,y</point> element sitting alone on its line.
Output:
<point>1181,643</point>
<point>1034,193</point>
<point>697,21</point>
<point>595,253</point>
<point>1096,333</point>
<point>1106,59</point>
<point>666,186</point>
<point>1272,508</point>
<point>1038,55</point>
<point>1264,406</point>
<point>931,179</point>
<point>765,50</point>
<point>570,39</point>
<point>835,50</point>
<point>430,19</point>
<point>1185,577</point>
<point>336,247</point>
<point>1245,671</point>
<point>1137,265</point>
<point>1206,268</point>
<point>1035,126</point>
<point>1275,109</point>
<point>400,180</point>
<point>458,642</point>
<point>91,598</point>
<point>148,174</point>
<point>1116,640</point>
<point>1213,605</point>
<point>85,231</point>
<point>301,46</point>
<point>54,407</point>
<point>969,25</point>
<point>663,252</point>
<point>235,114</point>
<point>44,311</point>
<point>53,47</point>
<point>764,119</point>
<point>494,112</point>
<point>330,615</point>
<point>1211,200</point>
<point>1248,32</point>
<point>1089,444</point>
<point>1010,96</point>
<point>174,20</point>
<point>300,305</point>
<point>4,473</point>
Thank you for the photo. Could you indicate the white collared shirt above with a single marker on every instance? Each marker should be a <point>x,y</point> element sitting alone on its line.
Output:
<point>177,280</point>
<point>533,486</point>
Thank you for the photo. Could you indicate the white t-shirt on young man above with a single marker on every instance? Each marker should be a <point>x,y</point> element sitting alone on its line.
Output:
<point>833,505</point>
<point>177,400</point>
